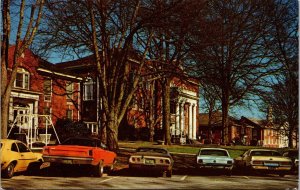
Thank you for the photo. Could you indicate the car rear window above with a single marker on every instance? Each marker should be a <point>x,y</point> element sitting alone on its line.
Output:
<point>82,142</point>
<point>264,153</point>
<point>157,150</point>
<point>213,152</point>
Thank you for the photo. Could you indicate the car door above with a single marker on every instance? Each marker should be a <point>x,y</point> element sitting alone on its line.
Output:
<point>26,156</point>
<point>15,155</point>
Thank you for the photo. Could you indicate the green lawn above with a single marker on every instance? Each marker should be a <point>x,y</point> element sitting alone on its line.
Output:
<point>234,151</point>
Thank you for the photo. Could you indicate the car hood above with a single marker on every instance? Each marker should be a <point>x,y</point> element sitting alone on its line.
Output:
<point>271,158</point>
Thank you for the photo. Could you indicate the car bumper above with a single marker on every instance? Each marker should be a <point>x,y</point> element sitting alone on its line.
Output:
<point>69,160</point>
<point>150,167</point>
<point>266,168</point>
<point>215,166</point>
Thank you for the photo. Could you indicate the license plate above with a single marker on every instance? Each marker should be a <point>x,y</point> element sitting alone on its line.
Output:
<point>271,164</point>
<point>149,161</point>
<point>67,162</point>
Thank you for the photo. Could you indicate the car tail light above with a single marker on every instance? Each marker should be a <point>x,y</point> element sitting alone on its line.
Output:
<point>90,152</point>
<point>285,163</point>
<point>255,162</point>
<point>167,161</point>
<point>138,159</point>
<point>133,159</point>
<point>200,161</point>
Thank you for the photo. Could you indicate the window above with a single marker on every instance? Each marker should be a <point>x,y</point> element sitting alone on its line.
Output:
<point>69,91</point>
<point>69,114</point>
<point>88,89</point>
<point>173,108</point>
<point>46,111</point>
<point>14,147</point>
<point>23,147</point>
<point>22,79</point>
<point>47,89</point>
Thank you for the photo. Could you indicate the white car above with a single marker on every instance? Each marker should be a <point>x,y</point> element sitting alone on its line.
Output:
<point>215,159</point>
<point>264,160</point>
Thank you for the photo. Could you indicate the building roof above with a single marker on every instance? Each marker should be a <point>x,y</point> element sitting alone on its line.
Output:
<point>216,119</point>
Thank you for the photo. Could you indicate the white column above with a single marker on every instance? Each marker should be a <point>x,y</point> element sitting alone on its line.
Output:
<point>182,117</point>
<point>190,128</point>
<point>11,110</point>
<point>177,115</point>
<point>194,121</point>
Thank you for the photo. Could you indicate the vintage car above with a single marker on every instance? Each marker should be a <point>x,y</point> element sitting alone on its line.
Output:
<point>81,151</point>
<point>17,157</point>
<point>263,160</point>
<point>155,159</point>
<point>294,156</point>
<point>215,159</point>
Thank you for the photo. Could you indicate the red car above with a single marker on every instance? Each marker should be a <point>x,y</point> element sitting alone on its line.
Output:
<point>81,151</point>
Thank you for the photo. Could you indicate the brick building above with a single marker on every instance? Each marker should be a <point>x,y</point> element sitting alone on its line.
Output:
<point>40,89</point>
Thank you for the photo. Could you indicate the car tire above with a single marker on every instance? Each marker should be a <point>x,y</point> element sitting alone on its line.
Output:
<point>98,169</point>
<point>228,172</point>
<point>169,173</point>
<point>9,171</point>
<point>281,174</point>
<point>111,168</point>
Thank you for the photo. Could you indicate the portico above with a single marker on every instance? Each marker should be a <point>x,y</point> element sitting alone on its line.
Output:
<point>184,119</point>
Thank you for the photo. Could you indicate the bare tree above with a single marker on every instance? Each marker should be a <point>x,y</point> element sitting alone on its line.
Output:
<point>114,33</point>
<point>168,50</point>
<point>281,91</point>
<point>22,42</point>
<point>229,52</point>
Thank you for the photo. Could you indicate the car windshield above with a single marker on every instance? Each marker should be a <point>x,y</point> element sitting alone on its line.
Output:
<point>82,142</point>
<point>213,152</point>
<point>157,150</point>
<point>264,153</point>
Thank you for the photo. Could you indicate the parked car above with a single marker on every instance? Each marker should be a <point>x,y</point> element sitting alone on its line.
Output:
<point>264,160</point>
<point>155,159</point>
<point>215,159</point>
<point>294,156</point>
<point>81,151</point>
<point>17,157</point>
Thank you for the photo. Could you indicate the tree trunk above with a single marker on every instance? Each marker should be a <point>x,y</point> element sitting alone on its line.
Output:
<point>112,136</point>
<point>291,136</point>
<point>225,108</point>
<point>151,112</point>
<point>4,114</point>
<point>166,111</point>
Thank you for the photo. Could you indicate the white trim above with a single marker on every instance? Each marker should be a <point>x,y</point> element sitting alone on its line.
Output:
<point>59,74</point>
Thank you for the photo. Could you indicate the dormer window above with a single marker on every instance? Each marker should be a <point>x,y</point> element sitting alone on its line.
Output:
<point>22,79</point>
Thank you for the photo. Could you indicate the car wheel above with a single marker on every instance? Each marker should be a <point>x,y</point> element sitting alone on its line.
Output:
<point>98,170</point>
<point>169,173</point>
<point>281,174</point>
<point>9,171</point>
<point>228,172</point>
<point>34,168</point>
<point>111,168</point>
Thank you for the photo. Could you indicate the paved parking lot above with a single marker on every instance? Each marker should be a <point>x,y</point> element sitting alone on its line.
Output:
<point>185,177</point>
<point>150,181</point>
